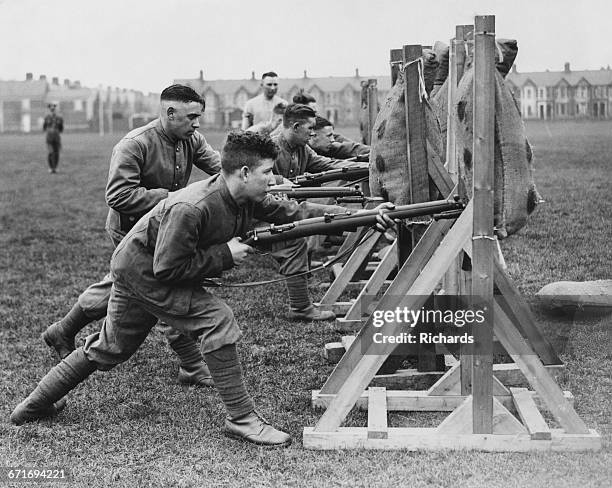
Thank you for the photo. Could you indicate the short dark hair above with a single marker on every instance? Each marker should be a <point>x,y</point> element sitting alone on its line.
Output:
<point>297,112</point>
<point>321,122</point>
<point>279,108</point>
<point>246,149</point>
<point>181,93</point>
<point>272,74</point>
<point>303,98</point>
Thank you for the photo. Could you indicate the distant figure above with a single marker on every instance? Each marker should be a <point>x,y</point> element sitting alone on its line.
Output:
<point>53,126</point>
<point>275,120</point>
<point>260,108</point>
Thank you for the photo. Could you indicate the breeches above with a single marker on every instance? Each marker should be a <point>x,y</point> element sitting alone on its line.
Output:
<point>129,320</point>
<point>292,256</point>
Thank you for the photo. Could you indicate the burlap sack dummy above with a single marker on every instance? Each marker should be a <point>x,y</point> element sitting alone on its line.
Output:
<point>516,195</point>
<point>388,170</point>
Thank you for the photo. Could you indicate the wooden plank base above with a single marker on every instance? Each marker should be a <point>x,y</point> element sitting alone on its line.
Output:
<point>508,374</point>
<point>429,439</point>
<point>421,401</point>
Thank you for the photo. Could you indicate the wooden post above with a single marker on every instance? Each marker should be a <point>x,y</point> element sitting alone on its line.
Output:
<point>100,113</point>
<point>482,233</point>
<point>395,57</point>
<point>372,101</point>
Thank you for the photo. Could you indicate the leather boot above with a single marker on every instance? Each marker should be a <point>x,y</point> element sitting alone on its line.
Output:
<point>61,334</point>
<point>311,313</point>
<point>257,430</point>
<point>47,399</point>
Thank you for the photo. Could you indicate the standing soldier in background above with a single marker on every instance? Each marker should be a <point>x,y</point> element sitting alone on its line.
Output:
<point>147,164</point>
<point>53,126</point>
<point>261,108</point>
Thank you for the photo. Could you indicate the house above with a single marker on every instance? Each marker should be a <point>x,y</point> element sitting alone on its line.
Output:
<point>563,94</point>
<point>338,97</point>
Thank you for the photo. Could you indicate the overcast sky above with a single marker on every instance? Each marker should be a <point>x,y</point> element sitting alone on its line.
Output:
<point>145,44</point>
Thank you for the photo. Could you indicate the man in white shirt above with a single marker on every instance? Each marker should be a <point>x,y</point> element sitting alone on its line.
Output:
<point>260,108</point>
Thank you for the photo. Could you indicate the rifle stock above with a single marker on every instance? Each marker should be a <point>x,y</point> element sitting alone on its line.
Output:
<point>336,223</point>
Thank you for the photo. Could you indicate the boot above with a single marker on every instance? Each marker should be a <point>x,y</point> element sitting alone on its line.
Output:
<point>242,421</point>
<point>47,399</point>
<point>60,335</point>
<point>255,429</point>
<point>299,300</point>
<point>192,370</point>
<point>311,313</point>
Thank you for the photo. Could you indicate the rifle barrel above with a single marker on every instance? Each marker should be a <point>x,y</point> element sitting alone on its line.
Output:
<point>347,174</point>
<point>317,192</point>
<point>334,224</point>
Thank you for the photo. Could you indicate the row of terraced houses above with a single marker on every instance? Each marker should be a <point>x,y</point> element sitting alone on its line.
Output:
<point>545,95</point>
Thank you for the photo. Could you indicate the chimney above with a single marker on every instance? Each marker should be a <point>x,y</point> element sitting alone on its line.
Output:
<point>29,76</point>
<point>201,75</point>
<point>305,74</point>
<point>77,84</point>
<point>43,78</point>
<point>567,68</point>
<point>55,80</point>
<point>356,72</point>
<point>252,75</point>
<point>66,82</point>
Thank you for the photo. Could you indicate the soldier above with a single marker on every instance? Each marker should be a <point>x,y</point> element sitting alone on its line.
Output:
<point>324,143</point>
<point>147,164</point>
<point>261,108</point>
<point>157,273</point>
<point>53,126</point>
<point>295,158</point>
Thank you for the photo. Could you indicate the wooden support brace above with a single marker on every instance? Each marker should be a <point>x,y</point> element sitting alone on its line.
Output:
<point>530,415</point>
<point>377,413</point>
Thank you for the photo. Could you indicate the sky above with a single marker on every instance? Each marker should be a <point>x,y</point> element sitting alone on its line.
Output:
<point>146,44</point>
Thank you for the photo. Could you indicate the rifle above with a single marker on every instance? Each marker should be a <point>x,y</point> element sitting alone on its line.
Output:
<point>316,192</point>
<point>342,194</point>
<point>348,173</point>
<point>336,223</point>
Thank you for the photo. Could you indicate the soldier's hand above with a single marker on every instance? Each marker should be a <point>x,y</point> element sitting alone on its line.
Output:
<point>383,221</point>
<point>239,250</point>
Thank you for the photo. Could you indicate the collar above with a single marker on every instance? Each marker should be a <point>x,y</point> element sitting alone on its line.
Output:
<point>159,128</point>
<point>282,141</point>
<point>225,193</point>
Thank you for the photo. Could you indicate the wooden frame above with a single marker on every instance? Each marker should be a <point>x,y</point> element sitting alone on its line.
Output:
<point>482,418</point>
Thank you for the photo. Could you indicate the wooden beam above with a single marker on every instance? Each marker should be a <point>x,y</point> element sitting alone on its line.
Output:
<point>395,59</point>
<point>402,282</point>
<point>422,401</point>
<point>374,284</point>
<point>530,415</point>
<point>522,315</point>
<point>482,232</point>
<point>427,439</point>
<point>377,413</point>
<point>536,374</point>
<point>460,421</point>
<point>371,360</point>
<point>348,271</point>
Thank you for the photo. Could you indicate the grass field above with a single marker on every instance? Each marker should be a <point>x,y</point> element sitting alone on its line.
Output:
<point>136,427</point>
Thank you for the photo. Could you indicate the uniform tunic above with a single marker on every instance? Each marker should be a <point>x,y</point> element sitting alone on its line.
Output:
<point>158,268</point>
<point>145,166</point>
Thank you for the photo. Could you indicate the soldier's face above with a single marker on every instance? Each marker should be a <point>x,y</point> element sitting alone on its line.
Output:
<point>304,131</point>
<point>259,180</point>
<point>270,86</point>
<point>322,139</point>
<point>184,119</point>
